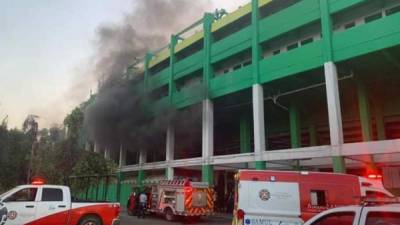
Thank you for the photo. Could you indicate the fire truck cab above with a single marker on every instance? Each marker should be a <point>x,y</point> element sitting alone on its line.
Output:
<point>181,198</point>
<point>287,197</point>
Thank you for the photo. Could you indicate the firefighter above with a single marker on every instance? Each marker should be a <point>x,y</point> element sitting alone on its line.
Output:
<point>142,205</point>
<point>132,204</point>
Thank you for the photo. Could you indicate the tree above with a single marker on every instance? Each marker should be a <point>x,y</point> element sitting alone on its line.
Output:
<point>91,164</point>
<point>14,150</point>
<point>30,127</point>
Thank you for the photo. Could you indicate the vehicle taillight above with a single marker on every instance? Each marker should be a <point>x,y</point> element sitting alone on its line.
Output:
<point>240,214</point>
<point>117,210</point>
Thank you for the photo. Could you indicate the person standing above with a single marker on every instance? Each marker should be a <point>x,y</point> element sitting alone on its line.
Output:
<point>142,204</point>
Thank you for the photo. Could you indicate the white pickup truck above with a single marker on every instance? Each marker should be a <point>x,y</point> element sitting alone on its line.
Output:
<point>383,214</point>
<point>39,204</point>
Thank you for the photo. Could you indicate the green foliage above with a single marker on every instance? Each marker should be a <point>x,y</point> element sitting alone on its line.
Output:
<point>14,150</point>
<point>52,153</point>
<point>74,123</point>
<point>91,165</point>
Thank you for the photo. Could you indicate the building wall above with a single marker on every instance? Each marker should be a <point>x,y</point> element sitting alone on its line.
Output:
<point>294,42</point>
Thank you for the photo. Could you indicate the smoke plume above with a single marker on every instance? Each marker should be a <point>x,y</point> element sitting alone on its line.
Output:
<point>120,113</point>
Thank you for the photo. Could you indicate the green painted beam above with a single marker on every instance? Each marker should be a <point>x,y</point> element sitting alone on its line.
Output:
<point>373,36</point>
<point>326,24</point>
<point>255,44</point>
<point>172,59</point>
<point>140,178</point>
<point>120,178</point>
<point>207,174</point>
<point>364,110</point>
<point>260,165</point>
<point>245,134</point>
<point>295,130</point>
<point>207,68</point>
<point>339,165</point>
<point>379,116</point>
<point>365,119</point>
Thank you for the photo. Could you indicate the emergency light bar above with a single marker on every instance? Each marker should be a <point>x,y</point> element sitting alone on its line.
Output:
<point>38,181</point>
<point>383,200</point>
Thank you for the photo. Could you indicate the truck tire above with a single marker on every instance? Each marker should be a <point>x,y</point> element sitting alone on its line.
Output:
<point>90,220</point>
<point>169,214</point>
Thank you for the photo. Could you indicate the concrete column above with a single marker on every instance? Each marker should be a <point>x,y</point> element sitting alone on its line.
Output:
<point>208,129</point>
<point>107,153</point>
<point>207,140</point>
<point>142,156</point>
<point>313,135</point>
<point>259,125</point>
<point>365,112</point>
<point>170,149</point>
<point>295,131</point>
<point>87,146</point>
<point>96,147</point>
<point>245,134</point>
<point>365,120</point>
<point>141,173</point>
<point>122,156</point>
<point>335,116</point>
<point>380,122</point>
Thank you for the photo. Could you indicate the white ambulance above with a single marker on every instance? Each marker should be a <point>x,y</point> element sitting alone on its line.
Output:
<point>291,198</point>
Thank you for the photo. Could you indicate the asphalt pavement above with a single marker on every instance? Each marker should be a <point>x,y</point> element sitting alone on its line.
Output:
<point>158,220</point>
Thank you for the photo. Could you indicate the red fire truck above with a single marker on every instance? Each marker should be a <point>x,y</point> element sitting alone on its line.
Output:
<point>291,198</point>
<point>181,198</point>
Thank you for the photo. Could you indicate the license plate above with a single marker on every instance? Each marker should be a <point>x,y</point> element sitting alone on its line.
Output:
<point>260,220</point>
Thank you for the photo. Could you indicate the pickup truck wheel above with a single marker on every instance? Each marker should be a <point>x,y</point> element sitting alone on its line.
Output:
<point>169,215</point>
<point>90,220</point>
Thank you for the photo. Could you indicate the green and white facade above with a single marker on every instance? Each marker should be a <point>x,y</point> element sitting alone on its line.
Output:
<point>285,84</point>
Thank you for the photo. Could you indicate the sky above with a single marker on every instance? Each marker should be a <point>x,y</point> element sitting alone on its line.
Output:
<point>46,47</point>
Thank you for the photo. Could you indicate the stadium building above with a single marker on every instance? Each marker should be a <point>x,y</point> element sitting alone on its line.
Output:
<point>286,85</point>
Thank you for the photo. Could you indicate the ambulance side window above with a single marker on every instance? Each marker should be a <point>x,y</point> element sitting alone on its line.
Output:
<point>341,218</point>
<point>318,198</point>
<point>23,195</point>
<point>52,195</point>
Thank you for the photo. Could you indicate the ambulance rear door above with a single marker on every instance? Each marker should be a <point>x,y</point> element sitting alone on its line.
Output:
<point>265,202</point>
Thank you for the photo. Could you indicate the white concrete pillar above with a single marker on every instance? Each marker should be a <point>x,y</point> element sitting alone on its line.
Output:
<point>142,156</point>
<point>333,100</point>
<point>170,149</point>
<point>122,156</point>
<point>107,153</point>
<point>335,117</point>
<point>87,146</point>
<point>258,119</point>
<point>96,147</point>
<point>207,130</point>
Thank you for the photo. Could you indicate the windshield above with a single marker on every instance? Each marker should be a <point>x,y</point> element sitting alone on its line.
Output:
<point>6,193</point>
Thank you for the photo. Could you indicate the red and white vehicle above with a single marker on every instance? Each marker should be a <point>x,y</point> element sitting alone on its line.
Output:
<point>291,198</point>
<point>40,204</point>
<point>173,198</point>
<point>370,213</point>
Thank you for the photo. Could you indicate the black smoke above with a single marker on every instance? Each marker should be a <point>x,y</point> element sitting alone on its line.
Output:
<point>121,113</point>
